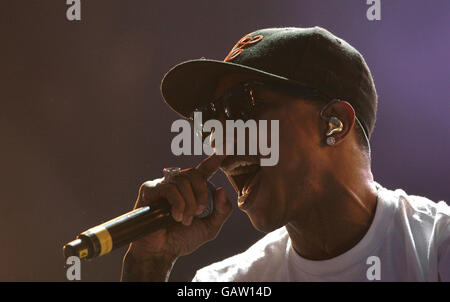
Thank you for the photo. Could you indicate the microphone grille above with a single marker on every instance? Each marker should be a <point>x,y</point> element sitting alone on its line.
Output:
<point>210,206</point>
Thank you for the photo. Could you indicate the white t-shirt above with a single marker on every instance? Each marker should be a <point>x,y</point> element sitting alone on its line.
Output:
<point>408,240</point>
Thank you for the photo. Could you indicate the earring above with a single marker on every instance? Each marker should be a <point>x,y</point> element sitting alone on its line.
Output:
<point>331,141</point>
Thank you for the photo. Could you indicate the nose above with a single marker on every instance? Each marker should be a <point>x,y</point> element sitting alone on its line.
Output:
<point>215,133</point>
<point>220,139</point>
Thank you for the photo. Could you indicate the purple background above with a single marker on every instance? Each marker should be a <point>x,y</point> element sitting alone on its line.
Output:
<point>82,122</point>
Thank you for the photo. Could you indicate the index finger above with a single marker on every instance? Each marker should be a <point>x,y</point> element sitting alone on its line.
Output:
<point>210,164</point>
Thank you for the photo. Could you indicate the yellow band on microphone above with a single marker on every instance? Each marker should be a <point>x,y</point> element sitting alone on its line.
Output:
<point>104,238</point>
<point>83,253</point>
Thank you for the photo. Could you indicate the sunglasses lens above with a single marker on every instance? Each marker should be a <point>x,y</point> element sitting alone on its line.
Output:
<point>237,106</point>
<point>208,112</point>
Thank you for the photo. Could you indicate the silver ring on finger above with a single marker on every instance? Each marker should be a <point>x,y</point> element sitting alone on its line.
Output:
<point>170,172</point>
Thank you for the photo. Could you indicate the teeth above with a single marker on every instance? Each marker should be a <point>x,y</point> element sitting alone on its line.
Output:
<point>239,164</point>
<point>239,167</point>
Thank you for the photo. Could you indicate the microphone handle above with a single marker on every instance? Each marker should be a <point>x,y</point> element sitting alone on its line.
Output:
<point>122,230</point>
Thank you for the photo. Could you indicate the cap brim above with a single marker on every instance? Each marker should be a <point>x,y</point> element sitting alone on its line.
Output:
<point>191,84</point>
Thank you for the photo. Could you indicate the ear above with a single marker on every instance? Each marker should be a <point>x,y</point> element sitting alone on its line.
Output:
<point>342,110</point>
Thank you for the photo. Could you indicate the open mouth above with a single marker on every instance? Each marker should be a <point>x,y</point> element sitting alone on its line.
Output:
<point>242,173</point>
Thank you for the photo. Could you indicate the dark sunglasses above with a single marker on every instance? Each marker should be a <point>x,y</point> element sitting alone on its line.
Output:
<point>240,102</point>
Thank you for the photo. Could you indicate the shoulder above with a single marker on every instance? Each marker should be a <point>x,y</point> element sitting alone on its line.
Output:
<point>422,211</point>
<point>429,222</point>
<point>419,217</point>
<point>252,265</point>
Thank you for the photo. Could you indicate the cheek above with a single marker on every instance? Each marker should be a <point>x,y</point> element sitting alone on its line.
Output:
<point>293,149</point>
<point>298,147</point>
<point>298,140</point>
<point>295,167</point>
<point>285,139</point>
<point>271,210</point>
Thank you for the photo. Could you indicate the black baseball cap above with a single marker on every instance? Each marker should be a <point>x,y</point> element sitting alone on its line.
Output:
<point>307,57</point>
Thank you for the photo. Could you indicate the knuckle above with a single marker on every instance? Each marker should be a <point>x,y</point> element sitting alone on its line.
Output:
<point>198,177</point>
<point>144,187</point>
<point>162,190</point>
<point>190,211</point>
<point>181,179</point>
<point>199,185</point>
<point>204,195</point>
<point>152,183</point>
<point>148,187</point>
<point>200,174</point>
<point>188,171</point>
<point>193,172</point>
<point>144,191</point>
<point>190,207</point>
<point>178,207</point>
<point>171,191</point>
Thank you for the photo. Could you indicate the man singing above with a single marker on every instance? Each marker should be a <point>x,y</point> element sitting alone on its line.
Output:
<point>325,216</point>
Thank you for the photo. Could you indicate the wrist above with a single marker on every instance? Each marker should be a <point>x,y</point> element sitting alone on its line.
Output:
<point>152,268</point>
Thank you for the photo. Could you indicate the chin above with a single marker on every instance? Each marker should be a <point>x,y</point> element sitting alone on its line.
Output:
<point>264,219</point>
<point>264,226</point>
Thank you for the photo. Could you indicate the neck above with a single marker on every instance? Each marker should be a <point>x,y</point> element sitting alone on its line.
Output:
<point>338,218</point>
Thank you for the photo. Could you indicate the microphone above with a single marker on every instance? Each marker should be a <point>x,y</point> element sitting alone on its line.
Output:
<point>115,233</point>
